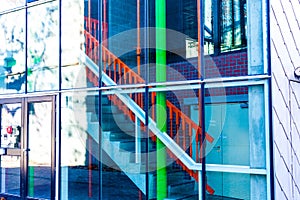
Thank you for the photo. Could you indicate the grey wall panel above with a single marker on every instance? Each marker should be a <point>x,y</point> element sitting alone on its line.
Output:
<point>285,57</point>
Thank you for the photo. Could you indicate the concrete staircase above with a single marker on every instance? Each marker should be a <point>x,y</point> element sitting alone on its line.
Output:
<point>119,143</point>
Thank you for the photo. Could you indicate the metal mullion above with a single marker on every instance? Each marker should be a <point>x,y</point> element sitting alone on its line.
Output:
<point>40,99</point>
<point>53,147</point>
<point>26,48</point>
<point>24,146</point>
<point>100,35</point>
<point>1,143</point>
<point>58,134</point>
<point>268,135</point>
<point>146,108</point>
<point>201,93</point>
<point>10,101</point>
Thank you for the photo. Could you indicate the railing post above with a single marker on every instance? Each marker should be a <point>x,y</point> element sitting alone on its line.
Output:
<point>137,140</point>
<point>200,185</point>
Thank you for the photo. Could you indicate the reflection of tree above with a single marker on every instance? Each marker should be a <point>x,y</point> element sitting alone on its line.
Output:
<point>12,49</point>
<point>13,35</point>
<point>12,110</point>
<point>42,37</point>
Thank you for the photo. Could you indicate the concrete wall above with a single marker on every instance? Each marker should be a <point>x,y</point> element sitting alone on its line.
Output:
<point>285,57</point>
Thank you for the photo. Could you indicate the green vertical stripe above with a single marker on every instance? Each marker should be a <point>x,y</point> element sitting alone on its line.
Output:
<point>30,181</point>
<point>161,115</point>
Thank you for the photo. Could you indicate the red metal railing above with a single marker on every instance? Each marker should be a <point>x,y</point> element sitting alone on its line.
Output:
<point>185,132</point>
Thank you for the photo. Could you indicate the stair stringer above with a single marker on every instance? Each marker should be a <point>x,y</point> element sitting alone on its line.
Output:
<point>170,144</point>
<point>140,114</point>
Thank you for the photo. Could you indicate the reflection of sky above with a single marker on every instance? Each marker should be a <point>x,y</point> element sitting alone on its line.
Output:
<point>10,4</point>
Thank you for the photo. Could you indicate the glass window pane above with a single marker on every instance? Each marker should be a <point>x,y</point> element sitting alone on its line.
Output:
<point>43,47</point>
<point>225,26</point>
<point>169,112</point>
<point>123,42</point>
<point>39,143</point>
<point>226,119</point>
<point>80,45</point>
<point>124,142</point>
<point>229,185</point>
<point>80,161</point>
<point>11,4</point>
<point>176,44</point>
<point>12,52</point>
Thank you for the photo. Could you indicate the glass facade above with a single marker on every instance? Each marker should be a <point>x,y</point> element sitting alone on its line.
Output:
<point>149,100</point>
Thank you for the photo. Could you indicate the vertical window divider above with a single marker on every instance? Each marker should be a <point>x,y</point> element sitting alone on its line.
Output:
<point>100,36</point>
<point>59,120</point>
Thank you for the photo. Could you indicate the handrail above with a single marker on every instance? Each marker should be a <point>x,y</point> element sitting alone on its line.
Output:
<point>125,75</point>
<point>183,158</point>
<point>140,113</point>
<point>118,72</point>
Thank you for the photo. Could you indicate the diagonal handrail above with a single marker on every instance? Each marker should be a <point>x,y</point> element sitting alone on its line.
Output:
<point>122,74</point>
<point>183,158</point>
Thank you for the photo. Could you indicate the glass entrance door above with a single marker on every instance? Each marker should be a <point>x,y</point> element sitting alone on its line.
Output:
<point>10,162</point>
<point>27,148</point>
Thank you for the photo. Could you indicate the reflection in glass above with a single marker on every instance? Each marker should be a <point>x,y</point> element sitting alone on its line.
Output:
<point>230,121</point>
<point>12,52</point>
<point>43,47</point>
<point>80,160</point>
<point>124,143</point>
<point>10,138</point>
<point>11,4</point>
<point>79,44</point>
<point>229,185</point>
<point>225,26</point>
<point>39,143</point>
<point>226,120</point>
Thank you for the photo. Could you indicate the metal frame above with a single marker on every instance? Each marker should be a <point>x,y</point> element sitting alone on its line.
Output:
<point>24,101</point>
<point>148,88</point>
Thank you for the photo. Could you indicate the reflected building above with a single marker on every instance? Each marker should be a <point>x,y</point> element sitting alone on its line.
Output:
<point>165,99</point>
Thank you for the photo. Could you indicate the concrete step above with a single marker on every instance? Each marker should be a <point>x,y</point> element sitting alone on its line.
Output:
<point>108,109</point>
<point>174,175</point>
<point>134,171</point>
<point>181,189</point>
<point>94,100</point>
<point>129,145</point>
<point>118,117</point>
<point>110,126</point>
<point>185,197</point>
